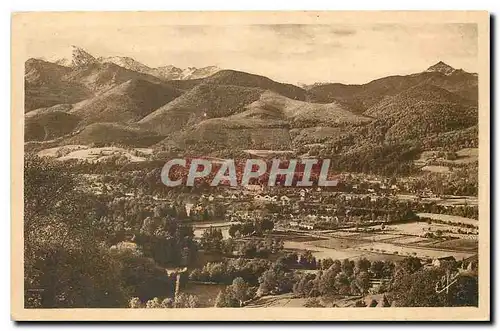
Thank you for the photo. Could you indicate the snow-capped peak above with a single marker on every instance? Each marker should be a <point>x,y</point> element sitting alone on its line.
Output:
<point>442,68</point>
<point>76,57</point>
<point>172,72</point>
<point>127,62</point>
<point>193,73</point>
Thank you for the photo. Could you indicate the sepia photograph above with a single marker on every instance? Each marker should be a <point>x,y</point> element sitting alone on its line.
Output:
<point>250,166</point>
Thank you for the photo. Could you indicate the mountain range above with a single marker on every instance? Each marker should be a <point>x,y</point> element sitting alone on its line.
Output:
<point>79,57</point>
<point>119,101</point>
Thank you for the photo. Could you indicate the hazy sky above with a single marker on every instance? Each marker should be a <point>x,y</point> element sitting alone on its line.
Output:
<point>287,53</point>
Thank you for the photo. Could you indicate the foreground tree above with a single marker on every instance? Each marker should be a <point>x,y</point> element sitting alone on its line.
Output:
<point>66,263</point>
<point>276,279</point>
<point>363,282</point>
<point>240,290</point>
<point>183,300</point>
<point>418,289</point>
<point>226,299</point>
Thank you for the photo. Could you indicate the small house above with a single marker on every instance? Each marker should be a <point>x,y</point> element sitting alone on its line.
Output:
<point>440,261</point>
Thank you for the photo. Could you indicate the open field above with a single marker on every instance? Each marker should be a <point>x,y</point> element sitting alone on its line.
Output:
<point>449,218</point>
<point>95,154</point>
<point>380,256</point>
<point>462,244</point>
<point>421,228</point>
<point>410,240</point>
<point>343,234</point>
<point>420,252</point>
<point>337,243</point>
<point>458,201</point>
<point>199,228</point>
<point>444,201</point>
<point>60,151</point>
<point>320,251</point>
<point>379,236</point>
<point>393,243</point>
<point>295,237</point>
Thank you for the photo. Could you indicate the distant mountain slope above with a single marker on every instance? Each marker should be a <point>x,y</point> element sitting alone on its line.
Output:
<point>300,113</point>
<point>223,94</point>
<point>44,85</point>
<point>127,102</point>
<point>197,73</point>
<point>399,103</point>
<point>429,92</point>
<point>264,124</point>
<point>424,118</point>
<point>336,92</point>
<point>202,102</point>
<point>80,75</point>
<point>362,97</point>
<point>49,125</point>
<point>464,138</point>
<point>168,72</point>
<point>413,116</point>
<point>239,78</point>
<point>39,72</point>
<point>49,84</point>
<point>99,77</point>
<point>224,136</point>
<point>57,108</point>
<point>171,72</point>
<point>243,79</point>
<point>102,134</point>
<point>128,63</point>
<point>185,85</point>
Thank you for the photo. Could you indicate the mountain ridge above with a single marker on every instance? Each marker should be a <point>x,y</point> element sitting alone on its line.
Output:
<point>120,101</point>
<point>78,57</point>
